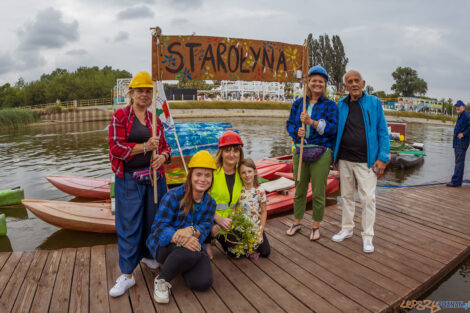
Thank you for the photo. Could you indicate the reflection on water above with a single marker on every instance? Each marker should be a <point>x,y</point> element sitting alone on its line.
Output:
<point>31,154</point>
<point>64,238</point>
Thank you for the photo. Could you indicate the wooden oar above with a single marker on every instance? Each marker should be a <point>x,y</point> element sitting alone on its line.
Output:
<point>303,110</point>
<point>154,133</point>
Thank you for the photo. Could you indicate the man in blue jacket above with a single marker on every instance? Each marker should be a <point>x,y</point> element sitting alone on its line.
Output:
<point>460,143</point>
<point>361,153</point>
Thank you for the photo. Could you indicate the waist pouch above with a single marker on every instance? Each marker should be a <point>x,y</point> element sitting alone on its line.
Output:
<point>311,153</point>
<point>144,177</point>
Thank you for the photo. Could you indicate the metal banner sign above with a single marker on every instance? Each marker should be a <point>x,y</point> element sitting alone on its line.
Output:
<point>221,58</point>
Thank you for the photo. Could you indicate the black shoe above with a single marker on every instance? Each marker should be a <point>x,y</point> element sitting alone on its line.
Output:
<point>451,185</point>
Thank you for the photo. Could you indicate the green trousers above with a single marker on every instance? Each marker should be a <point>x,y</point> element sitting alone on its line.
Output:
<point>317,173</point>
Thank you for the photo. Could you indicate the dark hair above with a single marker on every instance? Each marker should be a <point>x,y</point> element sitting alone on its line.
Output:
<point>187,202</point>
<point>218,156</point>
<point>250,163</point>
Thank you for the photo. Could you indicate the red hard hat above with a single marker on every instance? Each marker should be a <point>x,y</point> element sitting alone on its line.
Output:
<point>230,138</point>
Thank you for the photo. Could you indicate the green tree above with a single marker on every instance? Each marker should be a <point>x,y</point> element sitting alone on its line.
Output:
<point>369,89</point>
<point>84,83</point>
<point>407,83</point>
<point>329,54</point>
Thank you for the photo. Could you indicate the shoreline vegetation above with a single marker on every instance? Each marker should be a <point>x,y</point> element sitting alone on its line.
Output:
<point>17,117</point>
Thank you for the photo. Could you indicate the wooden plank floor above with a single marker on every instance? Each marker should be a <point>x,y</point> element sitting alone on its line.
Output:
<point>421,234</point>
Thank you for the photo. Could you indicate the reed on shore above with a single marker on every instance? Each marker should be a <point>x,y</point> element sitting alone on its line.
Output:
<point>14,117</point>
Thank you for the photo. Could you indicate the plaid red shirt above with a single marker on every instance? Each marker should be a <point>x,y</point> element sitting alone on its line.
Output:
<point>120,149</point>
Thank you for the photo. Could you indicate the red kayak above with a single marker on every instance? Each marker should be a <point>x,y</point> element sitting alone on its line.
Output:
<point>98,188</point>
<point>281,202</point>
<point>84,187</point>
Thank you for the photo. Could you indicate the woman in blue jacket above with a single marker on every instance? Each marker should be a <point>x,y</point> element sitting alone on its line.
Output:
<point>319,137</point>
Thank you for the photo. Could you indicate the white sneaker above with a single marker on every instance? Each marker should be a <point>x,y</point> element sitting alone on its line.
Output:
<point>151,263</point>
<point>161,291</point>
<point>367,245</point>
<point>122,284</point>
<point>343,234</point>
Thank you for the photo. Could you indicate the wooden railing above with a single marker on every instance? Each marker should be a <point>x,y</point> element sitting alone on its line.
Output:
<point>73,103</point>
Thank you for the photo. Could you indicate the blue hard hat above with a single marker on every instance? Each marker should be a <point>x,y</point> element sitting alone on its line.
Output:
<point>318,69</point>
<point>459,103</point>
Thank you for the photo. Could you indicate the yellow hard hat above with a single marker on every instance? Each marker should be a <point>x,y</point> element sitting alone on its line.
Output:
<point>202,159</point>
<point>141,80</point>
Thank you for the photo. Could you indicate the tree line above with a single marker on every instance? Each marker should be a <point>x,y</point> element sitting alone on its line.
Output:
<point>84,83</point>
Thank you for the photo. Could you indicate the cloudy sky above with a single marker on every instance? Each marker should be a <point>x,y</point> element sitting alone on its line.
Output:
<point>430,36</point>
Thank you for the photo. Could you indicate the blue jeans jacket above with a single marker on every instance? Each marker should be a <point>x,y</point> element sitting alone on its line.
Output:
<point>377,137</point>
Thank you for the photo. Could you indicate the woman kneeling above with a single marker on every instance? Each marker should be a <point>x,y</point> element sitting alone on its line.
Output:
<point>183,220</point>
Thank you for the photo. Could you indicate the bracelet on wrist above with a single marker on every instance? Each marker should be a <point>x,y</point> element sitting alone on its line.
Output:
<point>144,149</point>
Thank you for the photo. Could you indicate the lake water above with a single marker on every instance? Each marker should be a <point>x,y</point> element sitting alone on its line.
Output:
<point>29,155</point>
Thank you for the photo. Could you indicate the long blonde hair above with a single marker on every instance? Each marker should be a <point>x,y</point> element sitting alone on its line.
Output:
<point>309,92</point>
<point>219,161</point>
<point>187,202</point>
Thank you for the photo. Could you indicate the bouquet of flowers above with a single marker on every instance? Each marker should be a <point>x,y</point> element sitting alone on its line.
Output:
<point>244,234</point>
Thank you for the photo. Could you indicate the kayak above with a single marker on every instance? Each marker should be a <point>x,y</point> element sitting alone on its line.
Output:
<point>405,160</point>
<point>92,217</point>
<point>84,187</point>
<point>98,188</point>
<point>281,202</point>
<point>98,218</point>
<point>11,196</point>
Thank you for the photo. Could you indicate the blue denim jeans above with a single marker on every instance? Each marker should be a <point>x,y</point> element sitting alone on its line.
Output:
<point>459,166</point>
<point>135,212</point>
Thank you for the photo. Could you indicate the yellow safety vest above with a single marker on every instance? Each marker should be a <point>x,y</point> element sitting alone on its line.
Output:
<point>220,192</point>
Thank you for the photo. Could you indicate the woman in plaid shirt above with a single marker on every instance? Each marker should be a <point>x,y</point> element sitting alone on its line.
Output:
<point>183,221</point>
<point>130,150</point>
<point>319,134</point>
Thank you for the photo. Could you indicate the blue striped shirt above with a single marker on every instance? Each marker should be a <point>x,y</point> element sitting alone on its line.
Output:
<point>324,109</point>
<point>169,218</point>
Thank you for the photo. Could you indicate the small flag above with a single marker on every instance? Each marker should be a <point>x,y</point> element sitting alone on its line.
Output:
<point>163,110</point>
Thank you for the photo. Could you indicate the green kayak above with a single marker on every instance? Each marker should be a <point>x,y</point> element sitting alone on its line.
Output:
<point>11,196</point>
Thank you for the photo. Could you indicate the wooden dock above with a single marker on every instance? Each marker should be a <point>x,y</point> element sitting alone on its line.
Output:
<point>421,234</point>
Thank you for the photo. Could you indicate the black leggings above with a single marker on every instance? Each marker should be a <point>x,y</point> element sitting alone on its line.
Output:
<point>263,249</point>
<point>194,266</point>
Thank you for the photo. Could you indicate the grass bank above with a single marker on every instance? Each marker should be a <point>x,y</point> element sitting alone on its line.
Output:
<point>255,105</point>
<point>271,105</point>
<point>14,117</point>
<point>427,116</point>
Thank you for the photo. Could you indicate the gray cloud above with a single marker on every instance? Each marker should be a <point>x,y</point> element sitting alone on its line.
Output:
<point>185,4</point>
<point>135,13</point>
<point>6,63</point>
<point>47,31</point>
<point>76,52</point>
<point>179,21</point>
<point>119,2</point>
<point>121,36</point>
<point>27,60</point>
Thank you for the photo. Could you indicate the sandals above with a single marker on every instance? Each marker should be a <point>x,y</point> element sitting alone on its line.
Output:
<point>294,229</point>
<point>312,234</point>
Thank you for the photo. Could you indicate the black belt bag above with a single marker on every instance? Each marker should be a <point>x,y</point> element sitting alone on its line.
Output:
<point>311,153</point>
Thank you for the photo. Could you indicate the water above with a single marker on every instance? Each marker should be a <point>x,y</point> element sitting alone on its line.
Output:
<point>31,154</point>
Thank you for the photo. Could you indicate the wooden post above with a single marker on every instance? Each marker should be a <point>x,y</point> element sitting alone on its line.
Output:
<point>154,133</point>
<point>305,81</point>
<point>158,32</point>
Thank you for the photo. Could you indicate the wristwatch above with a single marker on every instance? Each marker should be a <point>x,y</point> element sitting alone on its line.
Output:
<point>194,230</point>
